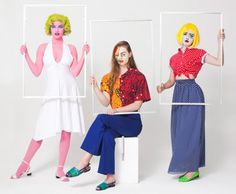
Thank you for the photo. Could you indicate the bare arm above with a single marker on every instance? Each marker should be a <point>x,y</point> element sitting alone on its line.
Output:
<point>133,107</point>
<point>36,68</point>
<point>103,97</point>
<point>219,60</point>
<point>76,65</point>
<point>170,82</point>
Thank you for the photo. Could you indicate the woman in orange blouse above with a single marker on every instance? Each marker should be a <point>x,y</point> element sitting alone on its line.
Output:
<point>124,89</point>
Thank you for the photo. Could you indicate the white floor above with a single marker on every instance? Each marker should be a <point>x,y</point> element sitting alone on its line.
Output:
<point>217,179</point>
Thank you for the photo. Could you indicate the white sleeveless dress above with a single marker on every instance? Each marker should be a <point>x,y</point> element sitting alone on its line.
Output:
<point>61,108</point>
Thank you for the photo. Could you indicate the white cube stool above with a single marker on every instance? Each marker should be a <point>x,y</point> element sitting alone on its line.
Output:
<point>127,160</point>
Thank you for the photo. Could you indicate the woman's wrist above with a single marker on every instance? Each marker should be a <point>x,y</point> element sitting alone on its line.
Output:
<point>163,86</point>
<point>95,87</point>
<point>26,55</point>
<point>83,54</point>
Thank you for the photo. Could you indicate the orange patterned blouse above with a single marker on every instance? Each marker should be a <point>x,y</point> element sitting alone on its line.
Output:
<point>131,86</point>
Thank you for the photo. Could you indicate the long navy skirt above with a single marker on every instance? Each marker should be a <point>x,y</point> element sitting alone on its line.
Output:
<point>187,128</point>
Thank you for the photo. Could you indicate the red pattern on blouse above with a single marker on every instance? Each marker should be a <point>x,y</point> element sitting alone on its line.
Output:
<point>189,62</point>
<point>133,87</point>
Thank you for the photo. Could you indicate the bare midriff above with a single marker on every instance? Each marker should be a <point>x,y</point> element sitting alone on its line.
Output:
<point>182,76</point>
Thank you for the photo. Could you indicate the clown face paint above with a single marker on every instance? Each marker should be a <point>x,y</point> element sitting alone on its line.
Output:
<point>188,38</point>
<point>57,30</point>
<point>122,56</point>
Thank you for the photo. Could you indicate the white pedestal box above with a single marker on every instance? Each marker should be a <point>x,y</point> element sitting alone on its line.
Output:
<point>127,160</point>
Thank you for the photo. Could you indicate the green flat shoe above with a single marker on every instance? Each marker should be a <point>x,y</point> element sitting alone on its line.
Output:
<point>184,178</point>
<point>73,172</point>
<point>104,186</point>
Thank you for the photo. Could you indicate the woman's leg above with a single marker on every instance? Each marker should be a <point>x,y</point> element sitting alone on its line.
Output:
<point>104,140</point>
<point>128,126</point>
<point>92,142</point>
<point>63,151</point>
<point>32,149</point>
<point>110,178</point>
<point>107,159</point>
<point>91,145</point>
<point>100,140</point>
<point>85,160</point>
<point>117,125</point>
<point>105,150</point>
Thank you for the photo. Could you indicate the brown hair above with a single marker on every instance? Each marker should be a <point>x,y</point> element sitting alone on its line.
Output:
<point>115,67</point>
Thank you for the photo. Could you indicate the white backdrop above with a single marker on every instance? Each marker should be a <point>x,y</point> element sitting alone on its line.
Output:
<point>18,115</point>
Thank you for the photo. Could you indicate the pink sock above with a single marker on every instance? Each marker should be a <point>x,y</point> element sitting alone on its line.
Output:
<point>63,151</point>
<point>32,149</point>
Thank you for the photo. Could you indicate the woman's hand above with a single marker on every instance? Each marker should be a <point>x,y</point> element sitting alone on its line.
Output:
<point>219,60</point>
<point>111,111</point>
<point>160,88</point>
<point>103,97</point>
<point>93,82</point>
<point>86,48</point>
<point>23,50</point>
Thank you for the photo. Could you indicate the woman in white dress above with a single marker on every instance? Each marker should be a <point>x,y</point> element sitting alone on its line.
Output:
<point>61,111</point>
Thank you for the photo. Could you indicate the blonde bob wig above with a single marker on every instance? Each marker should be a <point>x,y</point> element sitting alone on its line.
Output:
<point>189,27</point>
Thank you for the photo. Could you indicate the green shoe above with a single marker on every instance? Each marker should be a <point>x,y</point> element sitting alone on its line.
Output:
<point>73,172</point>
<point>184,178</point>
<point>104,186</point>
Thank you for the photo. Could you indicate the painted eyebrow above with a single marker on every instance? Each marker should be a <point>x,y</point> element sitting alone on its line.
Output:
<point>57,25</point>
<point>124,52</point>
